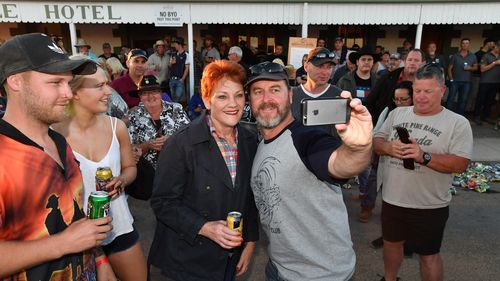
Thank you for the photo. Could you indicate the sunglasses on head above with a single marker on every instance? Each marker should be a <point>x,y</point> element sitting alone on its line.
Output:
<point>270,67</point>
<point>432,67</point>
<point>322,56</point>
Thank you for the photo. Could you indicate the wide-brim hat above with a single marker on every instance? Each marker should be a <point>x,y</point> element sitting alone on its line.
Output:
<point>81,43</point>
<point>158,43</point>
<point>363,52</point>
<point>147,83</point>
<point>37,52</point>
<point>266,71</point>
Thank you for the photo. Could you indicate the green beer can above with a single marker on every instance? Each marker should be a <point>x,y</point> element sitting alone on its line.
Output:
<point>98,205</point>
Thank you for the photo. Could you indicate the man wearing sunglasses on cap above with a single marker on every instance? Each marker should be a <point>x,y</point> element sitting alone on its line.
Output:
<point>319,66</point>
<point>296,177</point>
<point>416,201</point>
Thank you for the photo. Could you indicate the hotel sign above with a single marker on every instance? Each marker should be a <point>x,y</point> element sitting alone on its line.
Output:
<point>168,16</point>
<point>81,12</point>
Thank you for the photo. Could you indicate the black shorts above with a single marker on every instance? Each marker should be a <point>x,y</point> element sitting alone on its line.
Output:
<point>121,243</point>
<point>422,229</point>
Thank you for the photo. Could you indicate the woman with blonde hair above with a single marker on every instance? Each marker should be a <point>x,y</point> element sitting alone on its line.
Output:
<point>115,68</point>
<point>97,141</point>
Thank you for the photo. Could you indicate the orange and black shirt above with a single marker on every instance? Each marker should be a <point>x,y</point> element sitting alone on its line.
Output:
<point>39,198</point>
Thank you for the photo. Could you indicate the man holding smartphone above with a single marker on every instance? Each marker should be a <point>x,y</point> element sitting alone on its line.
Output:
<point>296,177</point>
<point>415,202</point>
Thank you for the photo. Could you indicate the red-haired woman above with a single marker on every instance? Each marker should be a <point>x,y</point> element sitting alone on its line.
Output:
<point>203,174</point>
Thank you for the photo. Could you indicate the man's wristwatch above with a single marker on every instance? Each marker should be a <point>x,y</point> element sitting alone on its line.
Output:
<point>427,158</point>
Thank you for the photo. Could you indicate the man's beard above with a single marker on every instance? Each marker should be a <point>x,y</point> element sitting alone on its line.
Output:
<point>272,123</point>
<point>40,110</point>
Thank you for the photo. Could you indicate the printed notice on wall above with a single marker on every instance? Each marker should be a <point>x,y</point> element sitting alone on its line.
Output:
<point>168,16</point>
<point>298,47</point>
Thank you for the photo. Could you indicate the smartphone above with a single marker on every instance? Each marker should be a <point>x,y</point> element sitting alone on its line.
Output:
<point>404,136</point>
<point>325,111</point>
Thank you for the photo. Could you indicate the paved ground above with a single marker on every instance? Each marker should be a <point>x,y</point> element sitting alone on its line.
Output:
<point>471,242</point>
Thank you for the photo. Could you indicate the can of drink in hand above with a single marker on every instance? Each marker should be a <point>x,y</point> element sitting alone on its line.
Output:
<point>235,221</point>
<point>103,176</point>
<point>98,205</point>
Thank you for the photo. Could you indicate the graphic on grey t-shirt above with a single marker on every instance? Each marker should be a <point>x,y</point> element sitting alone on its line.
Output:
<point>265,180</point>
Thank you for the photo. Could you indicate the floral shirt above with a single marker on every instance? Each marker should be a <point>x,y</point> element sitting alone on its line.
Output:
<point>142,126</point>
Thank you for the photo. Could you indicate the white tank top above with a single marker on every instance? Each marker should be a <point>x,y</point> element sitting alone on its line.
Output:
<point>122,219</point>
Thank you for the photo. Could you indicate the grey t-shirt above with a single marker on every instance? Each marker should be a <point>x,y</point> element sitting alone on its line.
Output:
<point>301,211</point>
<point>423,188</point>
<point>492,75</point>
<point>458,62</point>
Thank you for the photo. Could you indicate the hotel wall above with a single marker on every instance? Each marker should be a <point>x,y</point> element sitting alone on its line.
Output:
<point>97,34</point>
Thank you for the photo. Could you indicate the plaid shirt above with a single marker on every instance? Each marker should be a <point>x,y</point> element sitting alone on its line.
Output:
<point>229,153</point>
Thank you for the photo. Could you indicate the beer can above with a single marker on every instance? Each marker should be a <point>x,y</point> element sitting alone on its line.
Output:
<point>98,205</point>
<point>235,221</point>
<point>103,176</point>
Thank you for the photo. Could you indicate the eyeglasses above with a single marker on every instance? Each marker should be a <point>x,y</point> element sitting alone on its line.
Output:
<point>262,67</point>
<point>322,56</point>
<point>400,100</point>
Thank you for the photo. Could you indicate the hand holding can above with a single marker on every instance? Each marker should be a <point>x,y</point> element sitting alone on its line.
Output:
<point>98,205</point>
<point>235,221</point>
<point>103,176</point>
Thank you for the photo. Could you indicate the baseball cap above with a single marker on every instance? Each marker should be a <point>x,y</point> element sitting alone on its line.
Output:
<point>319,56</point>
<point>137,53</point>
<point>106,45</point>
<point>147,83</point>
<point>37,52</point>
<point>266,71</point>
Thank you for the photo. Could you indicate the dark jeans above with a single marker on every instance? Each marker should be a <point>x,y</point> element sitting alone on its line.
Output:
<point>462,88</point>
<point>371,186</point>
<point>485,99</point>
<point>363,180</point>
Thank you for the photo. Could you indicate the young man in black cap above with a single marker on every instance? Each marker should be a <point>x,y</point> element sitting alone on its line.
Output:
<point>319,67</point>
<point>295,180</point>
<point>179,69</point>
<point>43,230</point>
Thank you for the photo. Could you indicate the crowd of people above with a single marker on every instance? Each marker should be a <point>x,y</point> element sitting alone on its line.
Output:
<point>67,116</point>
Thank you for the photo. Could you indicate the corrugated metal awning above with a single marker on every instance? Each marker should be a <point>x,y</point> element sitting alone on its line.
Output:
<point>477,13</point>
<point>363,13</point>
<point>243,13</point>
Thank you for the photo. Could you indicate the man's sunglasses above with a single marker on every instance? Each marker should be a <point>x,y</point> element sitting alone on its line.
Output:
<point>432,67</point>
<point>262,67</point>
<point>322,56</point>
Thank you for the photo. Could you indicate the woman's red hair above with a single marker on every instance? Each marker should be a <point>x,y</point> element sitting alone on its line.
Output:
<point>215,71</point>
